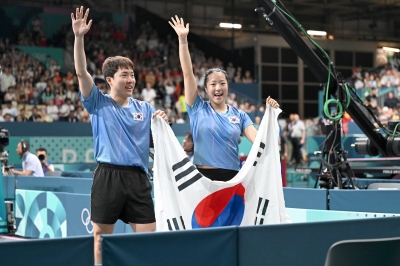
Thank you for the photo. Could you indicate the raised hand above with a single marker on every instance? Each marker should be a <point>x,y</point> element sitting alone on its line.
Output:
<point>79,25</point>
<point>161,114</point>
<point>272,102</point>
<point>179,26</point>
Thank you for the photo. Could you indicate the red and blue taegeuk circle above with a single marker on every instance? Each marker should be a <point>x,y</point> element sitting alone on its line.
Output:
<point>222,208</point>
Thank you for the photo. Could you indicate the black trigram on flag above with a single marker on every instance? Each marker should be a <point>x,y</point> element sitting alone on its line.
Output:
<point>261,210</point>
<point>259,153</point>
<point>190,172</point>
<point>176,224</point>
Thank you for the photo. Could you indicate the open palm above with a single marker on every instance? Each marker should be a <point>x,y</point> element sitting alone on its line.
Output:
<point>179,26</point>
<point>79,25</point>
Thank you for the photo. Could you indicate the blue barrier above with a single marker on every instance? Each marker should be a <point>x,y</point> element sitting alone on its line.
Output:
<point>365,200</point>
<point>67,251</point>
<point>56,184</point>
<point>83,174</point>
<point>305,243</point>
<point>305,198</point>
<point>213,246</point>
<point>9,187</point>
<point>46,214</point>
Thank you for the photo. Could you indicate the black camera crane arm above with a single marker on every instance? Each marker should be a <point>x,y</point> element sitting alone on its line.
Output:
<point>319,69</point>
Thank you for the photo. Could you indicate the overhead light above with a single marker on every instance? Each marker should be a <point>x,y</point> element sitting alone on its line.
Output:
<point>331,37</point>
<point>390,49</point>
<point>316,33</point>
<point>230,25</point>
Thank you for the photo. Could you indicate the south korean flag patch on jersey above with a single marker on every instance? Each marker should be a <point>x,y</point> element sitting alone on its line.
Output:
<point>234,119</point>
<point>138,116</point>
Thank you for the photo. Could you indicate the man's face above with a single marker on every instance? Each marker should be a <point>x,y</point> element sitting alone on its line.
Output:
<point>187,144</point>
<point>123,82</point>
<point>19,149</point>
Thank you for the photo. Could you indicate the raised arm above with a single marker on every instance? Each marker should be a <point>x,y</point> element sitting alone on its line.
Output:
<point>80,28</point>
<point>186,61</point>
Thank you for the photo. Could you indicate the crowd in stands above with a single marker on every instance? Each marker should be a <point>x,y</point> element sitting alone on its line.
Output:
<point>32,90</point>
<point>386,107</point>
<point>44,91</point>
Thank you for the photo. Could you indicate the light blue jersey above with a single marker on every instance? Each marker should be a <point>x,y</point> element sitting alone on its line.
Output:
<point>121,133</point>
<point>216,135</point>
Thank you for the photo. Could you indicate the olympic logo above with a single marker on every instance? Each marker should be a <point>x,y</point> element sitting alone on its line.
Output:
<point>86,221</point>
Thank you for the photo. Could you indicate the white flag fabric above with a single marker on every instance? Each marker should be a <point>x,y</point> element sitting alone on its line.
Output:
<point>185,199</point>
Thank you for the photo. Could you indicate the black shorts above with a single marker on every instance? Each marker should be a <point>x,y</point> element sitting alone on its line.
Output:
<point>218,174</point>
<point>121,192</point>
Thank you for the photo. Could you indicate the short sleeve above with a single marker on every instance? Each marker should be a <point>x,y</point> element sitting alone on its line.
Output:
<point>90,102</point>
<point>246,121</point>
<point>197,105</point>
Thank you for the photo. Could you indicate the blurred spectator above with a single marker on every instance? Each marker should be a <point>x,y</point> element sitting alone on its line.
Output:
<point>44,116</point>
<point>386,114</point>
<point>232,100</point>
<point>9,109</point>
<point>199,78</point>
<point>6,80</point>
<point>150,78</point>
<point>65,110</point>
<point>297,138</point>
<point>169,90</point>
<point>10,95</point>
<point>72,118</point>
<point>57,101</point>
<point>230,71</point>
<point>238,75</point>
<point>35,115</point>
<point>42,84</point>
<point>21,116</point>
<point>257,122</point>
<point>8,118</point>
<point>389,79</point>
<point>182,107</point>
<point>372,96</point>
<point>69,78</point>
<point>47,95</point>
<point>391,101</point>
<point>21,96</point>
<point>372,83</point>
<point>149,94</point>
<point>82,114</point>
<point>71,93</point>
<point>36,96</point>
<point>358,82</point>
<point>373,106</point>
<point>160,91</point>
<point>247,77</point>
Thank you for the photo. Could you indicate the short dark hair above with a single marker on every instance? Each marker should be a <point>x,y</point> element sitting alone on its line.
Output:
<point>212,70</point>
<point>189,135</point>
<point>42,149</point>
<point>111,65</point>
